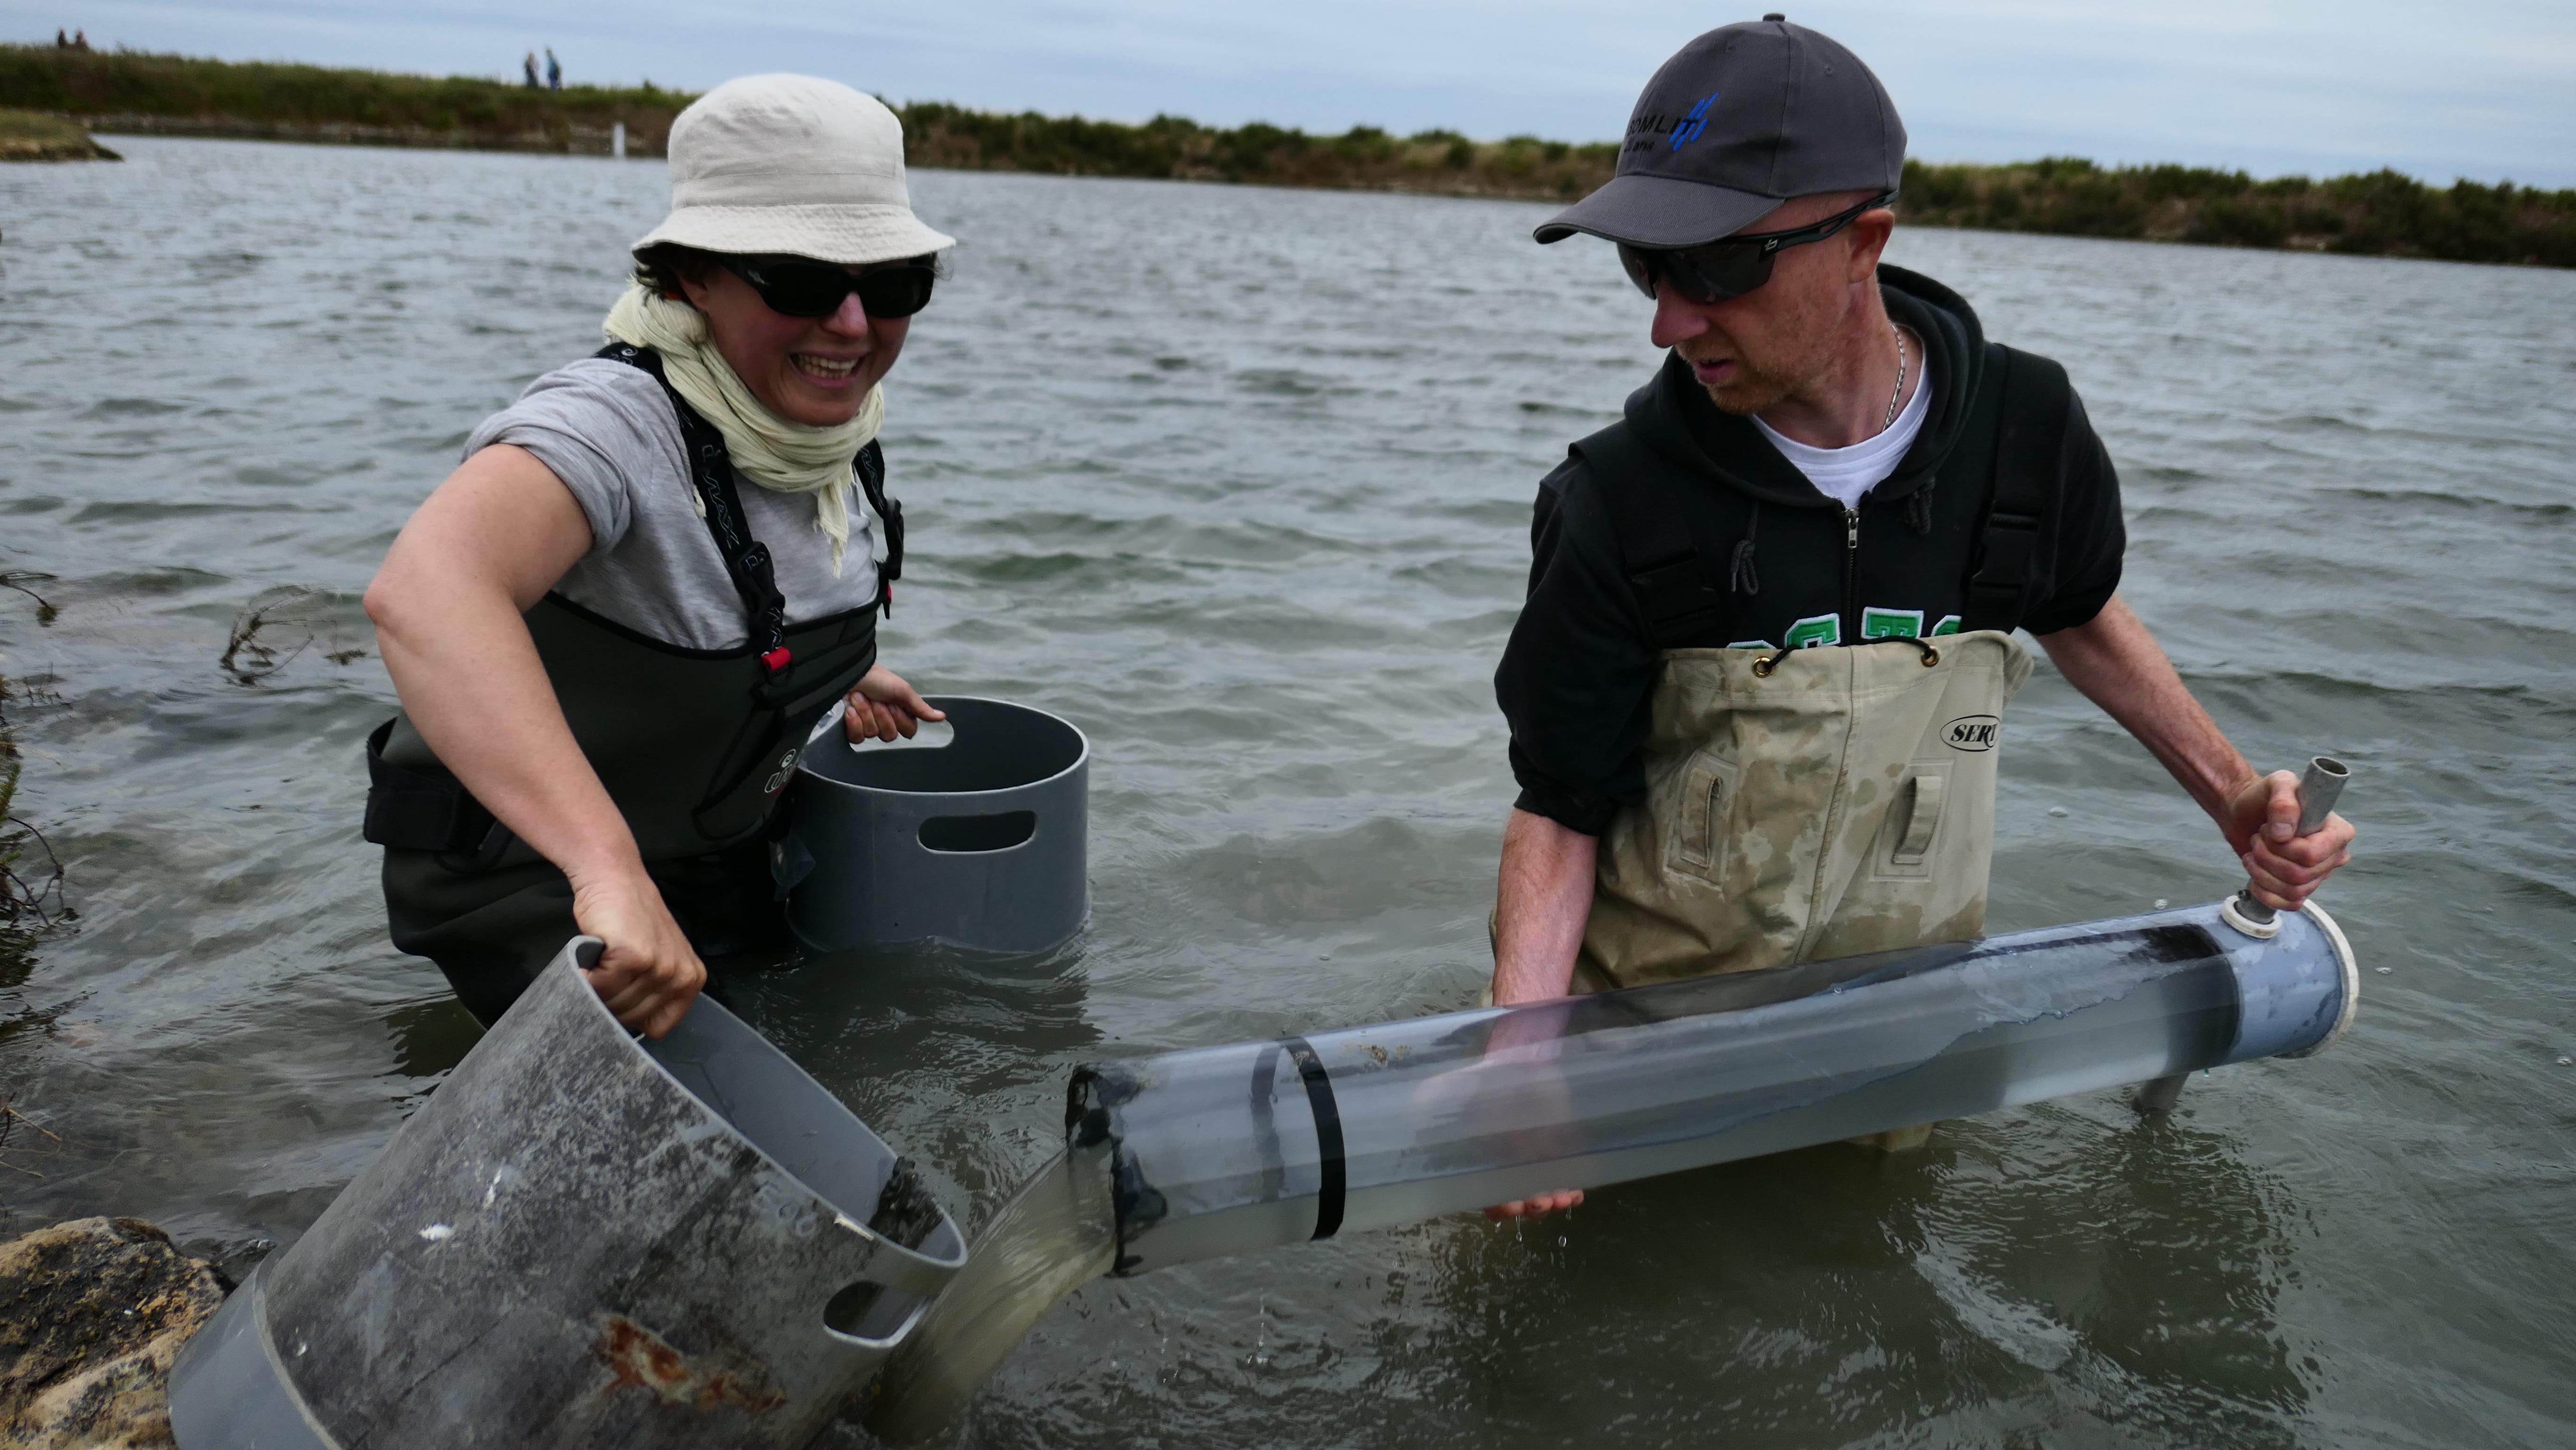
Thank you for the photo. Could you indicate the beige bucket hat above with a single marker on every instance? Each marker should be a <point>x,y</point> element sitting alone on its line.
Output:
<point>796,165</point>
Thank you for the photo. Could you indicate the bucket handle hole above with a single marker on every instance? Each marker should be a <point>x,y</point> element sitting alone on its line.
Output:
<point>932,735</point>
<point>997,832</point>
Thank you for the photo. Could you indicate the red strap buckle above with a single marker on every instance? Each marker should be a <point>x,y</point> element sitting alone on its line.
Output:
<point>777,659</point>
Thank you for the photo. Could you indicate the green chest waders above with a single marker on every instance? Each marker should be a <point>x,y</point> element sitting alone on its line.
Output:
<point>694,746</point>
<point>1823,802</point>
<point>1803,804</point>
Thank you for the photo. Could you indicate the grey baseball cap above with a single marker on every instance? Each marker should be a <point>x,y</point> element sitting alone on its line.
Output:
<point>1742,119</point>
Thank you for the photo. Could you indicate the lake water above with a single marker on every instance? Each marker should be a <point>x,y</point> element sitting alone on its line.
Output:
<point>1238,480</point>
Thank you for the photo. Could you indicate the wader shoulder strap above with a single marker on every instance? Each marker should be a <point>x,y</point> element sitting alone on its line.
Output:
<point>746,559</point>
<point>2029,399</point>
<point>698,435</point>
<point>1667,541</point>
<point>870,466</point>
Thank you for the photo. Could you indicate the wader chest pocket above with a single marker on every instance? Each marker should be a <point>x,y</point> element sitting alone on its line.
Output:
<point>1903,851</point>
<point>1697,846</point>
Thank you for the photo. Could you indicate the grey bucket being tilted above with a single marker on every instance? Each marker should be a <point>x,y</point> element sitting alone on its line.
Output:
<point>979,843</point>
<point>581,1240</point>
<point>1227,1150</point>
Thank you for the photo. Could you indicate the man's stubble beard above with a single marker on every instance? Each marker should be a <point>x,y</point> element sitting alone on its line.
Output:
<point>1758,388</point>
<point>1752,391</point>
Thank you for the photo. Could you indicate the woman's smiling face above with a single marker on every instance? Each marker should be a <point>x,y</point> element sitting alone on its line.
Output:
<point>810,370</point>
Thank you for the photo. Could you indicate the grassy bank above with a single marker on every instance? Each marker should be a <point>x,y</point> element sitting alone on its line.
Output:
<point>27,136</point>
<point>1365,158</point>
<point>2384,213</point>
<point>136,92</point>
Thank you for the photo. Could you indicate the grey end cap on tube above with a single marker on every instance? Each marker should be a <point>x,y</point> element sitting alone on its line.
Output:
<point>2351,968</point>
<point>228,1389</point>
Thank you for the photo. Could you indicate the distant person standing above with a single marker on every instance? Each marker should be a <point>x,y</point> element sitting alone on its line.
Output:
<point>80,40</point>
<point>554,70</point>
<point>529,66</point>
<point>62,41</point>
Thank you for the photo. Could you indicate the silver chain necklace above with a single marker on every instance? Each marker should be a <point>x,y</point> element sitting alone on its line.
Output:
<point>1900,376</point>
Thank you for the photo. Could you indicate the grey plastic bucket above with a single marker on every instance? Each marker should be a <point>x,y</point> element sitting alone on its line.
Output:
<point>980,843</point>
<point>580,1240</point>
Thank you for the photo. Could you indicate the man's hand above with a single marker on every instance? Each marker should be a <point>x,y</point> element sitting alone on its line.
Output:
<point>882,706</point>
<point>649,973</point>
<point>1539,1207</point>
<point>2284,867</point>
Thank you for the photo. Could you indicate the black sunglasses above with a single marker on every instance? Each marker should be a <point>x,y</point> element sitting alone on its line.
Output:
<point>798,288</point>
<point>1730,266</point>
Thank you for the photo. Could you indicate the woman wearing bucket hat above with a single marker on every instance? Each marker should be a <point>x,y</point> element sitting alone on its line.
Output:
<point>614,627</point>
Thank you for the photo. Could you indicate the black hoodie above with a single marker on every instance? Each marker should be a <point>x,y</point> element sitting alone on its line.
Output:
<point>1578,677</point>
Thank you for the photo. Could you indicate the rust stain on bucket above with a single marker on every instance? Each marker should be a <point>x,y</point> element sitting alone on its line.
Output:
<point>639,1357</point>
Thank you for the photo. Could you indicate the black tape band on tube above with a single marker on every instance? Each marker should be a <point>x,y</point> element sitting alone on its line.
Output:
<point>1328,1136</point>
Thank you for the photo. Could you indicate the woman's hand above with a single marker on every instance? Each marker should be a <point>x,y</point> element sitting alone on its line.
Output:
<point>649,973</point>
<point>882,706</point>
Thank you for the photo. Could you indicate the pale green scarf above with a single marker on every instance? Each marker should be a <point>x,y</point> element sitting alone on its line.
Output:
<point>772,452</point>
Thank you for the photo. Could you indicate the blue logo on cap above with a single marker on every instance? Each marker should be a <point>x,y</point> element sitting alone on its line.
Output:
<point>1694,123</point>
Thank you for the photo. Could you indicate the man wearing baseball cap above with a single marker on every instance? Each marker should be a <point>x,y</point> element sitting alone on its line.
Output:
<point>1757,689</point>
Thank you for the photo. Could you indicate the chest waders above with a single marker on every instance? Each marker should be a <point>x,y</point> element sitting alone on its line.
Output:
<point>694,746</point>
<point>1829,801</point>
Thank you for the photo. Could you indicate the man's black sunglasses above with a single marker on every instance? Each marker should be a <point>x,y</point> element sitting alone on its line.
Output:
<point>1730,266</point>
<point>799,288</point>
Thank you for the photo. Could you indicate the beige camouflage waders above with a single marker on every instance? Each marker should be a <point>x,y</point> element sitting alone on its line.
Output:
<point>1842,803</point>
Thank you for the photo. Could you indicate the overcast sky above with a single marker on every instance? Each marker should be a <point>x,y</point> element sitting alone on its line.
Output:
<point>2480,88</point>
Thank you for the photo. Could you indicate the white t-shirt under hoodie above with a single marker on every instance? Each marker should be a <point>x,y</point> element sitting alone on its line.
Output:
<point>1846,475</point>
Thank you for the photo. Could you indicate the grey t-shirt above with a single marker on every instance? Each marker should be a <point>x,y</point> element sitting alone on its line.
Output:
<point>608,431</point>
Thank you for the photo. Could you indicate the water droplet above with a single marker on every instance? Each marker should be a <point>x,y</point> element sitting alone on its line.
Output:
<point>2383,971</point>
<point>2160,903</point>
<point>2567,1062</point>
<point>2057,810</point>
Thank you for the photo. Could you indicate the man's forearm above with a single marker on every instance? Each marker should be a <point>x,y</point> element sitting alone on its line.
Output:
<point>2119,666</point>
<point>1545,898</point>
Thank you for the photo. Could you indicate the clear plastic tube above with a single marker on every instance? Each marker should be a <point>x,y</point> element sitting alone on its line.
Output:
<point>1231,1149</point>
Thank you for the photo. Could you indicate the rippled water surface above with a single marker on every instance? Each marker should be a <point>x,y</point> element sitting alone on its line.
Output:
<point>1238,480</point>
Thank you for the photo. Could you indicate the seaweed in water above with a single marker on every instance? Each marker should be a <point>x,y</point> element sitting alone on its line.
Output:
<point>247,656</point>
<point>10,1119</point>
<point>253,653</point>
<point>19,579</point>
<point>31,899</point>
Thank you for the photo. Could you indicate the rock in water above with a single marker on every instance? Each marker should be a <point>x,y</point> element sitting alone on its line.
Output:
<point>91,1314</point>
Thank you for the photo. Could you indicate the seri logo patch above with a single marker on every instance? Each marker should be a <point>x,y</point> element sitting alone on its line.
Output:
<point>1693,123</point>
<point>1949,625</point>
<point>1974,733</point>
